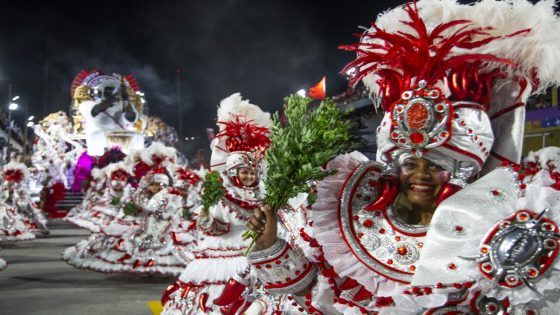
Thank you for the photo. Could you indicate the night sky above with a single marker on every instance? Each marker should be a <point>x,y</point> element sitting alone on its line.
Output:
<point>264,49</point>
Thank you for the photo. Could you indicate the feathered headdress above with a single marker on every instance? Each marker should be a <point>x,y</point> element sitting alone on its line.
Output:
<point>118,170</point>
<point>15,172</point>
<point>158,154</point>
<point>243,134</point>
<point>185,174</point>
<point>139,166</point>
<point>401,60</point>
<point>452,78</point>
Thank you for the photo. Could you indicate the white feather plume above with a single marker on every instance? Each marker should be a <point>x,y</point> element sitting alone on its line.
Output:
<point>160,149</point>
<point>548,157</point>
<point>535,53</point>
<point>235,105</point>
<point>107,170</point>
<point>132,157</point>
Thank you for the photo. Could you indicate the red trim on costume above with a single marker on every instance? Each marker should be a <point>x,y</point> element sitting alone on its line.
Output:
<point>355,236</point>
<point>502,158</point>
<point>284,251</point>
<point>217,228</point>
<point>243,204</point>
<point>461,151</point>
<point>292,282</point>
<point>175,191</point>
<point>214,165</point>
<point>401,231</point>
<point>506,110</point>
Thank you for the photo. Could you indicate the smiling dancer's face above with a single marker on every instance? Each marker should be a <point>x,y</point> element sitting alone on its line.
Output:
<point>422,181</point>
<point>247,176</point>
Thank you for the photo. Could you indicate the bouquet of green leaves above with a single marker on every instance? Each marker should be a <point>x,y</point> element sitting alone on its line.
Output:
<point>130,208</point>
<point>115,201</point>
<point>301,148</point>
<point>213,190</point>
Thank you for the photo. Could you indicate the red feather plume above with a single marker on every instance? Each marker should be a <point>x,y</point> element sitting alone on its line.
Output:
<point>78,80</point>
<point>188,175</point>
<point>132,82</point>
<point>398,58</point>
<point>13,175</point>
<point>242,135</point>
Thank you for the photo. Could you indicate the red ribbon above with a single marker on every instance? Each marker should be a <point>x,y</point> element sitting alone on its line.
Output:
<point>231,292</point>
<point>388,188</point>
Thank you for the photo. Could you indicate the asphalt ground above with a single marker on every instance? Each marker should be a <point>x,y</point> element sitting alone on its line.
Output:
<point>37,282</point>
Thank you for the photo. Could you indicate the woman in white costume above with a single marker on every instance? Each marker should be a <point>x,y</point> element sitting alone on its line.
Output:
<point>15,196</point>
<point>237,154</point>
<point>400,236</point>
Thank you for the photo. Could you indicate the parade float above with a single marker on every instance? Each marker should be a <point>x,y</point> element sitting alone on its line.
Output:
<point>107,112</point>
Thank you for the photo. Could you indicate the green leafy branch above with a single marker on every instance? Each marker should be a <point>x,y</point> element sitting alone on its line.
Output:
<point>130,208</point>
<point>301,148</point>
<point>213,190</point>
<point>115,201</point>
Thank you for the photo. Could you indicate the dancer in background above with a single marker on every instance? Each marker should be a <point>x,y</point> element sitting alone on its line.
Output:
<point>17,195</point>
<point>140,238</point>
<point>237,154</point>
<point>14,225</point>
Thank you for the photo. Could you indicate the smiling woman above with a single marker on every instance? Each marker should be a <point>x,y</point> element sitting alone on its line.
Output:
<point>247,176</point>
<point>421,182</point>
<point>399,235</point>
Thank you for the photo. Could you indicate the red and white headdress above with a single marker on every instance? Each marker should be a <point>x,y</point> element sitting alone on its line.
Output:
<point>138,165</point>
<point>184,175</point>
<point>161,176</point>
<point>118,171</point>
<point>15,172</point>
<point>159,154</point>
<point>243,136</point>
<point>453,78</point>
<point>161,158</point>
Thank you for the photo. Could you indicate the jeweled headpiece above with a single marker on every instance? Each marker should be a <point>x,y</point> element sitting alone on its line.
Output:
<point>448,82</point>
<point>243,136</point>
<point>118,171</point>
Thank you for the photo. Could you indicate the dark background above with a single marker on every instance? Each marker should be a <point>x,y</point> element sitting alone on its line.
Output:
<point>264,49</point>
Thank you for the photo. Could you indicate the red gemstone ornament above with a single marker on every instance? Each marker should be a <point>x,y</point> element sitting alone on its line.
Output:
<point>416,138</point>
<point>492,307</point>
<point>368,223</point>
<point>416,116</point>
<point>533,273</point>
